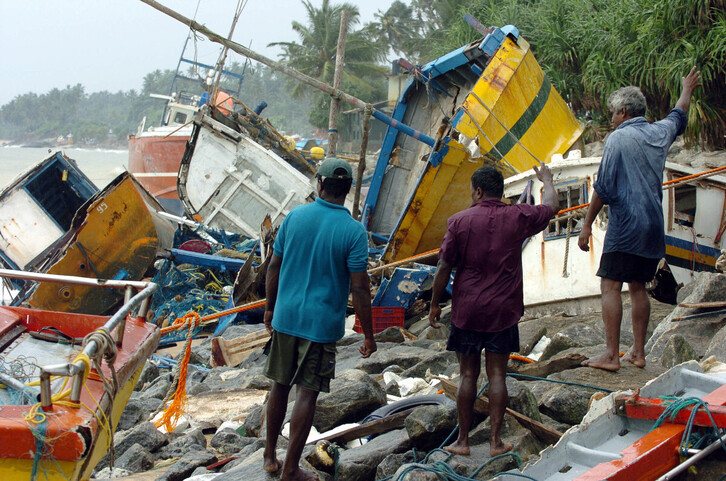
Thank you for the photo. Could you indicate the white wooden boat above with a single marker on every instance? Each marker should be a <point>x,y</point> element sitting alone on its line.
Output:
<point>608,445</point>
<point>231,181</point>
<point>558,275</point>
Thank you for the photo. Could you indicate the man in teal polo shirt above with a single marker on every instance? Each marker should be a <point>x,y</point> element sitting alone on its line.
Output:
<point>320,255</point>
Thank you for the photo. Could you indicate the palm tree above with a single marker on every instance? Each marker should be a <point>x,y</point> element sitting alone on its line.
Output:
<point>397,27</point>
<point>315,53</point>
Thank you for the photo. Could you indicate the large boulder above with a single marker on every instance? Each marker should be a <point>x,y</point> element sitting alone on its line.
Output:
<point>145,434</point>
<point>190,440</point>
<point>717,346</point>
<point>404,355</point>
<point>392,462</point>
<point>429,426</point>
<point>353,395</point>
<point>360,463</point>
<point>436,363</point>
<point>676,351</point>
<point>135,459</point>
<point>186,465</point>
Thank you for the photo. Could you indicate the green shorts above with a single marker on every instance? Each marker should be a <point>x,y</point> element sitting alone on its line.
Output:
<point>294,360</point>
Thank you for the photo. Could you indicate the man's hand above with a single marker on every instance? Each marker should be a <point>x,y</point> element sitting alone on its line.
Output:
<point>583,241</point>
<point>434,315</point>
<point>692,80</point>
<point>544,174</point>
<point>268,321</point>
<point>368,347</point>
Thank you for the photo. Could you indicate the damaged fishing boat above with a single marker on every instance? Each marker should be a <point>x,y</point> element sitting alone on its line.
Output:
<point>619,439</point>
<point>488,102</point>
<point>694,219</point>
<point>55,221</point>
<point>66,380</point>
<point>237,169</point>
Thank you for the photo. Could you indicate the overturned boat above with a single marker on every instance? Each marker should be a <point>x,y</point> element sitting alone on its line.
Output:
<point>237,169</point>
<point>557,274</point>
<point>488,102</point>
<point>54,220</point>
<point>67,378</point>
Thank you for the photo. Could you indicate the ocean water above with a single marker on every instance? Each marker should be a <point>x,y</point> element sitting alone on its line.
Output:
<point>100,165</point>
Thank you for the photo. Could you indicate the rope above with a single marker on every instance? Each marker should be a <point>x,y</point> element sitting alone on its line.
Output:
<point>675,405</point>
<point>567,246</point>
<point>178,396</point>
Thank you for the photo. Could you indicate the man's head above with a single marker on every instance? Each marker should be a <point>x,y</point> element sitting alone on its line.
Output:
<point>486,183</point>
<point>335,177</point>
<point>626,103</point>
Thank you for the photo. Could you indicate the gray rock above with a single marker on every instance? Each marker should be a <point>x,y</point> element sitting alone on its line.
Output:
<point>106,474</point>
<point>149,372</point>
<point>717,347</point>
<point>392,389</point>
<point>698,332</point>
<point>521,399</point>
<point>430,344</point>
<point>158,388</point>
<point>415,472</point>
<point>187,464</point>
<point>395,369</point>
<point>438,363</point>
<point>428,426</point>
<point>145,434</point>
<point>253,421</point>
<point>529,335</point>
<point>391,334</point>
<point>676,351</point>
<point>392,462</point>
<point>482,432</point>
<point>434,334</point>
<point>235,378</point>
<point>191,440</point>
<point>578,335</point>
<point>353,395</point>
<point>404,355</point>
<point>228,441</point>
<point>360,463</point>
<point>419,326</point>
<point>250,469</point>
<point>707,287</point>
<point>135,459</point>
<point>136,411</point>
<point>567,404</point>
<point>245,453</point>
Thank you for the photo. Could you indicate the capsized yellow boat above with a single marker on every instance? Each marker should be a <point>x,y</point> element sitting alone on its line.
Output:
<point>115,235</point>
<point>490,103</point>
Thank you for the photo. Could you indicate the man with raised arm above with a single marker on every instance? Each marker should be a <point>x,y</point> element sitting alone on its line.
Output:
<point>484,244</point>
<point>320,255</point>
<point>629,181</point>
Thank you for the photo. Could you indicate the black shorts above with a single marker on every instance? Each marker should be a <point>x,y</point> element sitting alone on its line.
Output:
<point>471,343</point>
<point>624,267</point>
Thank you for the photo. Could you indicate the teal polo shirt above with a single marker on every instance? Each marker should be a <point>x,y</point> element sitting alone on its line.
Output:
<point>320,245</point>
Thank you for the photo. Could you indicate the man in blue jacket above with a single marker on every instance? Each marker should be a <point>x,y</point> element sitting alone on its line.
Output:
<point>629,181</point>
<point>320,255</point>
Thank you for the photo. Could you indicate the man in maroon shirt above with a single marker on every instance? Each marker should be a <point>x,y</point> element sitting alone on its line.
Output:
<point>484,244</point>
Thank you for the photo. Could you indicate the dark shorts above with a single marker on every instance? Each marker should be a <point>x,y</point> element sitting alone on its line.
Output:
<point>472,342</point>
<point>294,360</point>
<point>623,267</point>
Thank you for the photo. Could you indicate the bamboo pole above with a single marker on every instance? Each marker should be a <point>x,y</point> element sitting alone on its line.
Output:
<point>337,82</point>
<point>361,162</point>
<point>315,83</point>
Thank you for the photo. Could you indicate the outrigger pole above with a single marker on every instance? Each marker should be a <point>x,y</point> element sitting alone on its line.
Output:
<point>335,93</point>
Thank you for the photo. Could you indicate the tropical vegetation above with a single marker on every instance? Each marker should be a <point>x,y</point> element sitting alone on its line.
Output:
<point>588,48</point>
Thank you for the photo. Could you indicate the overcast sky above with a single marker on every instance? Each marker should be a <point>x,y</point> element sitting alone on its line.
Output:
<point>111,44</point>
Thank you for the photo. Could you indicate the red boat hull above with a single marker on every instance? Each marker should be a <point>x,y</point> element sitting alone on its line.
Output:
<point>154,160</point>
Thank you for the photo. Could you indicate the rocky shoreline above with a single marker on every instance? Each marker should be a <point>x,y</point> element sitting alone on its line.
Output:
<point>223,433</point>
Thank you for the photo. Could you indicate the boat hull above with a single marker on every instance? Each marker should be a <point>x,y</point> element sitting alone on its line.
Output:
<point>511,118</point>
<point>116,236</point>
<point>74,440</point>
<point>154,159</point>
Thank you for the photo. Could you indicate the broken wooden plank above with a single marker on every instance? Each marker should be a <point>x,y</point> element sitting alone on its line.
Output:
<point>702,305</point>
<point>545,368</point>
<point>231,352</point>
<point>378,426</point>
<point>481,406</point>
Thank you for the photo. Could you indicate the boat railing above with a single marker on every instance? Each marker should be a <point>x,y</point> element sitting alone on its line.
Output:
<point>76,369</point>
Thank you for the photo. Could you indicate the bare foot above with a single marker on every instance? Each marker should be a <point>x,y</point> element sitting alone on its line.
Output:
<point>272,465</point>
<point>603,361</point>
<point>299,474</point>
<point>501,448</point>
<point>458,448</point>
<point>637,361</point>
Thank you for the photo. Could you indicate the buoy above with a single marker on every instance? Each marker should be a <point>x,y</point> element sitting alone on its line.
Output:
<point>287,143</point>
<point>317,153</point>
<point>223,102</point>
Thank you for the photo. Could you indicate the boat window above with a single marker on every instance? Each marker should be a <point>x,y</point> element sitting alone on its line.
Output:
<point>570,194</point>
<point>59,191</point>
<point>180,118</point>
<point>685,205</point>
